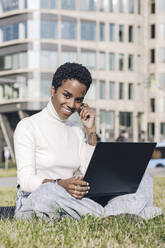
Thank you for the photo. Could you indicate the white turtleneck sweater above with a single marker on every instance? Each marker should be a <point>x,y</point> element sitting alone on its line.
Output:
<point>48,147</point>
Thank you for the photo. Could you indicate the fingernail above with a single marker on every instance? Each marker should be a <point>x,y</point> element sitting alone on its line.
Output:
<point>88,187</point>
<point>87,192</point>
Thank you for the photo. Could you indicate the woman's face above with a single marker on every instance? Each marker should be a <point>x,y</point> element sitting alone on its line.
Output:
<point>68,97</point>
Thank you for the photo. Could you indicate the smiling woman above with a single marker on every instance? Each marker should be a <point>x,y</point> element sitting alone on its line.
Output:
<point>52,157</point>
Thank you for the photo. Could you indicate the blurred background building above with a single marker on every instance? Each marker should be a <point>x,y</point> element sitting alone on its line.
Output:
<point>122,42</point>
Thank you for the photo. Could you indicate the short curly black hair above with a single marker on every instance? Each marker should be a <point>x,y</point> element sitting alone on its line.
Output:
<point>71,71</point>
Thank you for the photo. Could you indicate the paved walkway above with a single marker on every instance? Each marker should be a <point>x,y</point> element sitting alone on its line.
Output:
<point>8,182</point>
<point>12,182</point>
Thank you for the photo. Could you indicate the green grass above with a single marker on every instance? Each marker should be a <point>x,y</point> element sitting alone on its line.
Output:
<point>11,172</point>
<point>88,232</point>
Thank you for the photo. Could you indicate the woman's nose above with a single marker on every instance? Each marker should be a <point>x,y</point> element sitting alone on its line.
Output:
<point>71,104</point>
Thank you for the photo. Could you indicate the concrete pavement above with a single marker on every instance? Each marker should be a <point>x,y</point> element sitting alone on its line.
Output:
<point>12,182</point>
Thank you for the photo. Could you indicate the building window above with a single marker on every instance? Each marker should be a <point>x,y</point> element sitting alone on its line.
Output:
<point>101,62</point>
<point>107,123</point>
<point>162,31</point>
<point>139,7</point>
<point>130,33</point>
<point>68,56</point>
<point>45,86</point>
<point>49,4</point>
<point>152,56</point>
<point>130,62</point>
<point>121,91</point>
<point>68,4</point>
<point>130,91</point>
<point>111,90</point>
<point>68,30</point>
<point>162,128</point>
<point>125,122</point>
<point>13,61</point>
<point>91,93</point>
<point>121,33</point>
<point>151,131</point>
<point>48,29</point>
<point>152,104</point>
<point>11,32</point>
<point>102,31</point>
<point>102,5</point>
<point>88,30</point>
<point>162,80</point>
<point>152,6</point>
<point>112,32</point>
<point>152,31</point>
<point>102,89</point>
<point>88,5</point>
<point>162,55</point>
<point>112,61</point>
<point>48,59</point>
<point>111,6</point>
<point>162,5</point>
<point>121,61</point>
<point>130,6</point>
<point>9,5</point>
<point>121,6</point>
<point>88,58</point>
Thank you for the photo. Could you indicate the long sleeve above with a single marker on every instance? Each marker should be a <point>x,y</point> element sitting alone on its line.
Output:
<point>24,144</point>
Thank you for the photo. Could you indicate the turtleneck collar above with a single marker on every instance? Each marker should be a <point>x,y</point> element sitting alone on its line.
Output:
<point>53,112</point>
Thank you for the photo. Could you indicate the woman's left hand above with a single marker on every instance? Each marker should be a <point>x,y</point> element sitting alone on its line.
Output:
<point>87,116</point>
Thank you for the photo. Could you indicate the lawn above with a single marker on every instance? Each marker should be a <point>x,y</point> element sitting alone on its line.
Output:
<point>12,172</point>
<point>88,232</point>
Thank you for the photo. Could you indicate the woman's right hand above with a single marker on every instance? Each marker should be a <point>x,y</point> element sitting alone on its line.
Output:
<point>76,187</point>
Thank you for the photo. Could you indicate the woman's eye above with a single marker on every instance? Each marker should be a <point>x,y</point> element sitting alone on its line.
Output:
<point>67,96</point>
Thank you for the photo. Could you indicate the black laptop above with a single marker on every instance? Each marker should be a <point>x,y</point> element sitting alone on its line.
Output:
<point>117,168</point>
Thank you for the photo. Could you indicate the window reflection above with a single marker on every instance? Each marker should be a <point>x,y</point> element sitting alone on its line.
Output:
<point>68,4</point>
<point>88,30</point>
<point>88,58</point>
<point>48,29</point>
<point>88,5</point>
<point>68,30</point>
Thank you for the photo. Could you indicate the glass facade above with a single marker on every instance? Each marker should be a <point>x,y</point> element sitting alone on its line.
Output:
<point>48,59</point>
<point>161,5</point>
<point>102,31</point>
<point>111,6</point>
<point>88,30</point>
<point>101,61</point>
<point>121,61</point>
<point>48,29</point>
<point>162,80</point>
<point>121,33</point>
<point>130,91</point>
<point>88,5</point>
<point>131,6</point>
<point>102,89</point>
<point>121,91</point>
<point>107,122</point>
<point>162,55</point>
<point>88,58</point>
<point>68,30</point>
<point>130,62</point>
<point>91,93</point>
<point>162,31</point>
<point>112,32</point>
<point>10,32</point>
<point>68,4</point>
<point>112,61</point>
<point>68,56</point>
<point>112,90</point>
<point>13,61</point>
<point>130,33</point>
<point>9,5</point>
<point>121,6</point>
<point>48,4</point>
<point>45,86</point>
